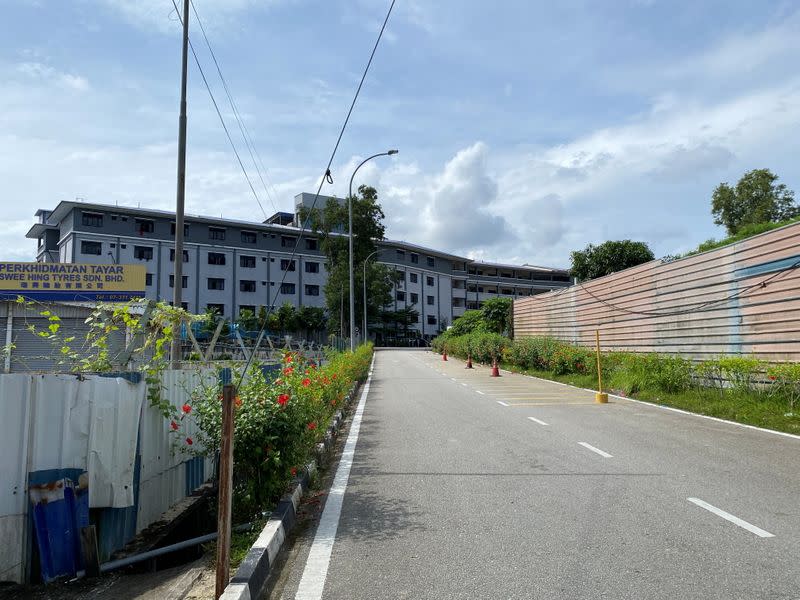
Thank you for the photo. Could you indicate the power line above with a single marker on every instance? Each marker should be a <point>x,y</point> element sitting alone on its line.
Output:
<point>221,119</point>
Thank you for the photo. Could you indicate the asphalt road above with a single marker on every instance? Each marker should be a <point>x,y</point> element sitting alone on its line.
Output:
<point>465,486</point>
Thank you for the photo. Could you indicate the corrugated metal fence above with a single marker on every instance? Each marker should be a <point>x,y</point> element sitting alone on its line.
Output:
<point>743,298</point>
<point>69,437</point>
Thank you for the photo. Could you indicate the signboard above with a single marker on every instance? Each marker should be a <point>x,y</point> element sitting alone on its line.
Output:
<point>71,281</point>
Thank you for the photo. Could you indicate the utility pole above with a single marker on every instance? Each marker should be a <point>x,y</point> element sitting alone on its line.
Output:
<point>177,296</point>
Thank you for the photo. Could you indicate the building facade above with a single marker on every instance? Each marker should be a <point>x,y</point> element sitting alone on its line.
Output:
<point>232,265</point>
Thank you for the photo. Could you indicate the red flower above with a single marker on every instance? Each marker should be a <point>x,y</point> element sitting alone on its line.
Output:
<point>325,380</point>
<point>772,377</point>
<point>288,358</point>
<point>288,371</point>
<point>237,401</point>
<point>186,409</point>
<point>189,441</point>
<point>283,399</point>
<point>312,426</point>
<point>174,425</point>
<point>293,471</point>
<point>306,382</point>
<point>334,375</point>
<point>312,366</point>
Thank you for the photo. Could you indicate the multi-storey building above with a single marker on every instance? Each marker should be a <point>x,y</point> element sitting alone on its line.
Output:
<point>232,265</point>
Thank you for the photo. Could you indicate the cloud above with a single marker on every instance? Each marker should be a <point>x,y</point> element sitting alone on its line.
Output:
<point>48,75</point>
<point>683,162</point>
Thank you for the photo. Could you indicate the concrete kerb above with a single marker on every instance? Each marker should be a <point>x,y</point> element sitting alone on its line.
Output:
<point>251,576</point>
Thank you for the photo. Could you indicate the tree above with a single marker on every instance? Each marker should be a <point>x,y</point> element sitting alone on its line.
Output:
<point>310,319</point>
<point>609,257</point>
<point>471,320</point>
<point>755,199</point>
<point>496,314</point>
<point>368,229</point>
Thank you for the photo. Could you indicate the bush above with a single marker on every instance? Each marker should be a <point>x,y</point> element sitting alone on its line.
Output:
<point>740,373</point>
<point>785,380</point>
<point>653,372</point>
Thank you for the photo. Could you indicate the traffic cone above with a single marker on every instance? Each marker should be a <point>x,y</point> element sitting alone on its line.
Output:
<point>495,369</point>
<point>444,354</point>
<point>469,361</point>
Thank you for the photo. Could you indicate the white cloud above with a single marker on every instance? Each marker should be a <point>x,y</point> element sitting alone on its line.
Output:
<point>48,75</point>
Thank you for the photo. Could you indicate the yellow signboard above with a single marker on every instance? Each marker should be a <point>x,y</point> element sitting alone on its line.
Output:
<point>72,281</point>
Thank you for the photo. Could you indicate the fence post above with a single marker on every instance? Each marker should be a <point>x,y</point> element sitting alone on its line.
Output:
<point>225,486</point>
<point>599,396</point>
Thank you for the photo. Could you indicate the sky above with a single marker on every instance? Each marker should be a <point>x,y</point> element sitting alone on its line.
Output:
<point>526,129</point>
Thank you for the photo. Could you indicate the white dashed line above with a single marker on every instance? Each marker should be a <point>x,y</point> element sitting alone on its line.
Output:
<point>480,392</point>
<point>464,384</point>
<point>501,403</point>
<point>729,517</point>
<point>535,420</point>
<point>596,450</point>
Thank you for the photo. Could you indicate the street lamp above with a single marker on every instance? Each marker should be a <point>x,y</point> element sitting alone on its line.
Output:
<point>366,260</point>
<point>350,236</point>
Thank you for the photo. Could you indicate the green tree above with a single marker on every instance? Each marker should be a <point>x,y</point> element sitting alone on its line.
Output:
<point>471,320</point>
<point>310,319</point>
<point>496,314</point>
<point>331,223</point>
<point>287,318</point>
<point>757,198</point>
<point>609,257</point>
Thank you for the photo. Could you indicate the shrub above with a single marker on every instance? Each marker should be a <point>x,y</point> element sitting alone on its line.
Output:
<point>785,380</point>
<point>740,373</point>
<point>654,372</point>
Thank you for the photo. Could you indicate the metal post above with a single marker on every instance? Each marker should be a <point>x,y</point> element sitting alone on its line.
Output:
<point>177,298</point>
<point>599,397</point>
<point>366,260</point>
<point>9,337</point>
<point>225,488</point>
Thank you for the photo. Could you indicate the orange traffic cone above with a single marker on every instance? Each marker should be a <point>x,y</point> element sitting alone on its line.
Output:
<point>469,361</point>
<point>444,355</point>
<point>495,369</point>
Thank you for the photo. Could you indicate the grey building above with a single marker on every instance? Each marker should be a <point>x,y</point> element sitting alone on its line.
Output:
<point>232,265</point>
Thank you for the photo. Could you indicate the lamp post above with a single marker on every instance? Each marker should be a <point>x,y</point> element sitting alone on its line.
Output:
<point>350,236</point>
<point>366,260</point>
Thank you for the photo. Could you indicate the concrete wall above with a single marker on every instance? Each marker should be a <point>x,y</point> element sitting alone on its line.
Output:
<point>743,298</point>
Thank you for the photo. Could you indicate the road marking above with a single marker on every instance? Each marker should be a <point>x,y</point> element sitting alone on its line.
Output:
<point>562,403</point>
<point>464,384</point>
<point>597,450</point>
<point>316,570</point>
<point>480,392</point>
<point>729,517</point>
<point>454,379</point>
<point>535,420</point>
<point>501,403</point>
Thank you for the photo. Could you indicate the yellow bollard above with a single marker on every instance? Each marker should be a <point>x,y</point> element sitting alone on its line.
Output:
<point>599,396</point>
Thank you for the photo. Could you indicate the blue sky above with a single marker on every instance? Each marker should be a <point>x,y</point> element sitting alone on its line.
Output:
<point>526,129</point>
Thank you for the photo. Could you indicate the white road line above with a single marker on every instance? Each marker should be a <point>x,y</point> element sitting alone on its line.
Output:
<point>464,384</point>
<point>316,570</point>
<point>480,392</point>
<point>729,517</point>
<point>597,450</point>
<point>535,420</point>
<point>454,379</point>
<point>501,403</point>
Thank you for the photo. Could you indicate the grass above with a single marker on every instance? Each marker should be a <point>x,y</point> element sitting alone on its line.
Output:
<point>758,409</point>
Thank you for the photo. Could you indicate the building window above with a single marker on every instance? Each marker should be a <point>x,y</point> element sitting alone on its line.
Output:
<point>430,300</point>
<point>414,298</point>
<point>148,279</point>
<point>144,226</point>
<point>249,237</point>
<point>507,292</point>
<point>414,258</point>
<point>172,255</point>
<point>246,307</point>
<point>414,277</point>
<point>92,248</point>
<point>287,265</point>
<point>312,290</point>
<point>246,285</point>
<point>247,262</point>
<point>429,281</point>
<point>89,219</point>
<point>287,288</point>
<point>142,253</point>
<point>401,276</point>
<point>172,229</point>
<point>401,254</point>
<point>312,267</point>
<point>216,308</point>
<point>184,281</point>
<point>431,320</point>
<point>312,244</point>
<point>401,296</point>
<point>216,233</point>
<point>431,261</point>
<point>216,258</point>
<point>216,283</point>
<point>288,241</point>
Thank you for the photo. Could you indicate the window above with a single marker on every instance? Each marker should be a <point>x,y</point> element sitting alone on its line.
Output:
<point>401,276</point>
<point>92,248</point>
<point>185,229</point>
<point>249,237</point>
<point>216,258</point>
<point>287,288</point>
<point>216,308</point>
<point>172,255</point>
<point>414,277</point>
<point>431,320</point>
<point>287,265</point>
<point>431,261</point>
<point>312,290</point>
<point>246,285</point>
<point>184,281</point>
<point>430,300</point>
<point>429,281</point>
<point>247,262</point>
<point>216,233</point>
<point>312,267</point>
<point>246,307</point>
<point>401,296</point>
<point>401,255</point>
<point>414,298</point>
<point>216,283</point>
<point>148,279</point>
<point>312,244</point>
<point>142,253</point>
<point>507,292</point>
<point>91,219</point>
<point>414,258</point>
<point>144,226</point>
<point>288,241</point>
